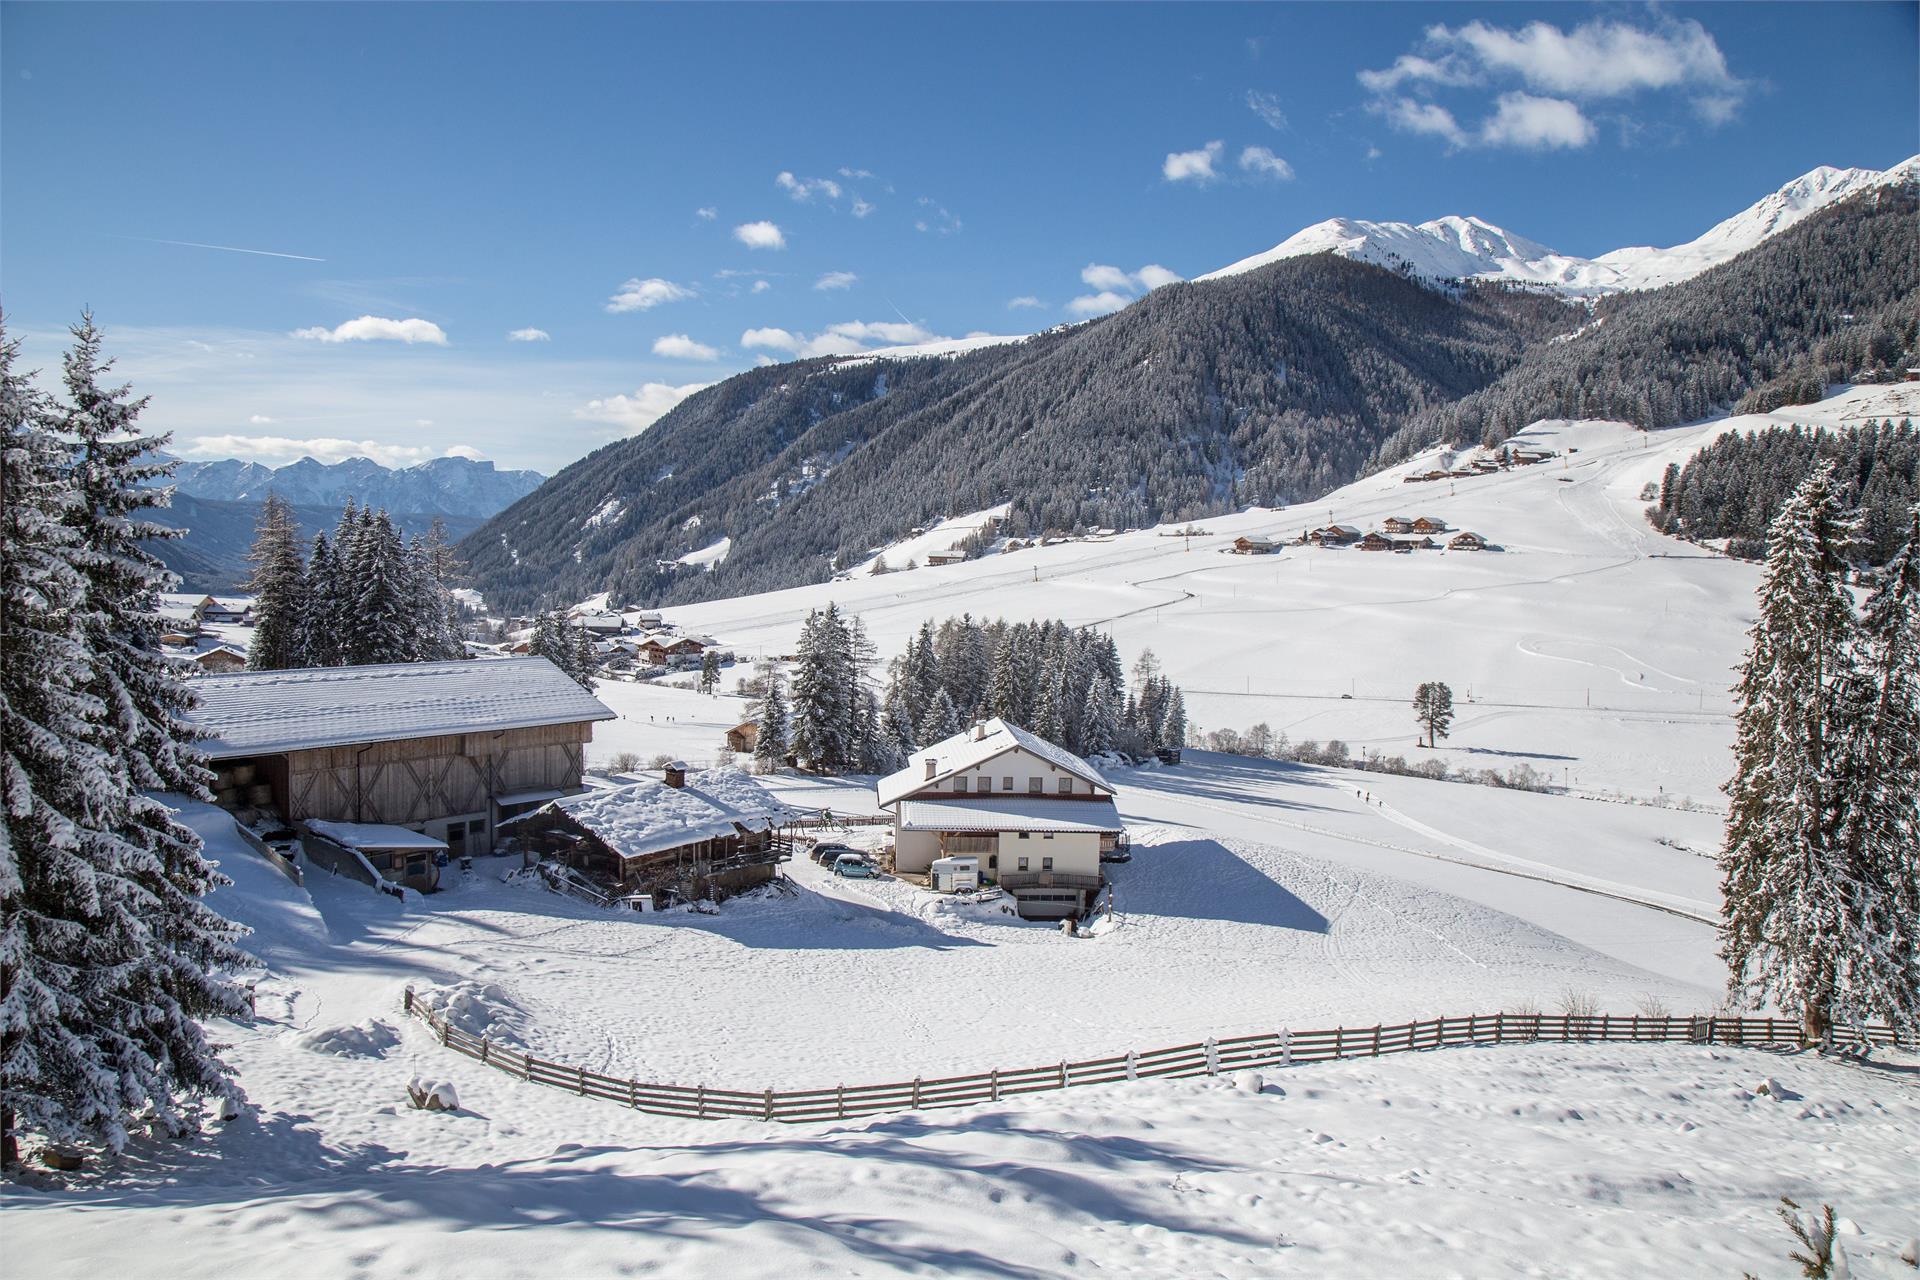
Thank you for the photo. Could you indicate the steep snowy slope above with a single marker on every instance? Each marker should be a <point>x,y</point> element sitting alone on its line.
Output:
<point>1454,248</point>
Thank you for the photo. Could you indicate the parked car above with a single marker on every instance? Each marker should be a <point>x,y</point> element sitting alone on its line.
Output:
<point>825,853</point>
<point>854,866</point>
<point>1116,855</point>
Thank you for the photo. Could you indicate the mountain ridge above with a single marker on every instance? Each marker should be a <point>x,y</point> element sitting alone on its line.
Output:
<point>449,486</point>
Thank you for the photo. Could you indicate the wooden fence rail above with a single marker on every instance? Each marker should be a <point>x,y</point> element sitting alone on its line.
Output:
<point>1281,1048</point>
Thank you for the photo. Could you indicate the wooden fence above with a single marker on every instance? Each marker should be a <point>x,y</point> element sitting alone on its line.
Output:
<point>1208,1057</point>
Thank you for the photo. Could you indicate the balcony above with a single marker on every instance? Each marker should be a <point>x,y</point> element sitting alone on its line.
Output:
<point>1017,880</point>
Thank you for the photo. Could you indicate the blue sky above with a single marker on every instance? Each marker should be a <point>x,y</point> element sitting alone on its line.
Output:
<point>606,180</point>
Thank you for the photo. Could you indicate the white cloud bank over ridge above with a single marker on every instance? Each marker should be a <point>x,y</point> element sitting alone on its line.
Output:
<point>278,450</point>
<point>847,338</point>
<point>678,346</point>
<point>1117,287</point>
<point>635,413</point>
<point>644,295</point>
<point>378,329</point>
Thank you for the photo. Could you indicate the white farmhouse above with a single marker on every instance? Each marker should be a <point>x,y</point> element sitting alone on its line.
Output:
<point>1037,816</point>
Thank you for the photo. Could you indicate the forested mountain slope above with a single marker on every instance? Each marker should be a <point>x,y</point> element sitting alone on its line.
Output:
<point>1269,387</point>
<point>213,555</point>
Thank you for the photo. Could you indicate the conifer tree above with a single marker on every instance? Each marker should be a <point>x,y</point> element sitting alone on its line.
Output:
<point>770,743</point>
<point>382,623</point>
<point>709,671</point>
<point>1789,890</point>
<point>822,730</point>
<point>1433,708</point>
<point>322,622</point>
<point>279,585</point>
<point>940,721</point>
<point>580,654</point>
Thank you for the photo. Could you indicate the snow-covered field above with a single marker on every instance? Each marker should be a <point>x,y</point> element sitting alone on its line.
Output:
<point>1562,1161</point>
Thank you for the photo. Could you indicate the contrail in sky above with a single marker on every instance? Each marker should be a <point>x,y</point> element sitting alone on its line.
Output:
<point>224,248</point>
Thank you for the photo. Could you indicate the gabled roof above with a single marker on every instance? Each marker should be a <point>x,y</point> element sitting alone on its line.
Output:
<point>247,713</point>
<point>964,751</point>
<point>652,817</point>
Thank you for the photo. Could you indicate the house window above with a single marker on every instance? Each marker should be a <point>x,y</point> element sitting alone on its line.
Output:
<point>1047,836</point>
<point>1046,864</point>
<point>1034,786</point>
<point>1066,786</point>
<point>1023,864</point>
<point>960,785</point>
<point>1006,784</point>
<point>1026,835</point>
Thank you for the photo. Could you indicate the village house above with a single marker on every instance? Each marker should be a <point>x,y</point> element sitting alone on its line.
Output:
<point>1397,524</point>
<point>697,836</point>
<point>1466,540</point>
<point>183,614</point>
<point>1428,524</point>
<point>743,737</point>
<point>227,609</point>
<point>1334,535</point>
<point>661,649</point>
<point>938,558</point>
<point>1252,544</point>
<point>219,658</point>
<point>447,749</point>
<point>1037,816</point>
<point>1375,541</point>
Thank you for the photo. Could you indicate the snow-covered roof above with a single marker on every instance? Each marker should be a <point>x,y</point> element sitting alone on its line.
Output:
<point>652,817</point>
<point>1010,813</point>
<point>976,746</point>
<point>254,712</point>
<point>372,835</point>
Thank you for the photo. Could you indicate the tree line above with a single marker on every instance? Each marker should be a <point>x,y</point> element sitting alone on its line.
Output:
<point>365,596</point>
<point>1736,486</point>
<point>1065,684</point>
<point>110,960</point>
<point>1819,868</point>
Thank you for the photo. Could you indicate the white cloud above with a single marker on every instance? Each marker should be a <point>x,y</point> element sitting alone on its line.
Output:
<point>761,286</point>
<point>1605,58</point>
<point>259,420</point>
<point>1023,302</point>
<point>846,338</point>
<point>1153,275</point>
<point>678,346</point>
<point>1267,107</point>
<point>760,235</point>
<point>1428,118</point>
<point>637,412</point>
<point>1098,304</point>
<point>1536,124</point>
<point>1192,166</point>
<point>1262,162</point>
<point>645,295</point>
<point>529,335</point>
<point>379,329</point>
<point>805,189</point>
<point>466,451</point>
<point>836,280</point>
<point>1101,276</point>
<point>867,174</point>
<point>275,450</point>
<point>706,212</point>
<point>861,208</point>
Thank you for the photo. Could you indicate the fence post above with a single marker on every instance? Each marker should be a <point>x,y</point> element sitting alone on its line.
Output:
<point>1339,1042</point>
<point>767,1112</point>
<point>1063,1073</point>
<point>1713,1029</point>
<point>1473,1028</point>
<point>916,1093</point>
<point>993,1085</point>
<point>1286,1047</point>
<point>1213,1056</point>
<point>1500,1027</point>
<point>406,1001</point>
<point>581,1072</point>
<point>1133,1072</point>
<point>1376,1039</point>
<point>633,1093</point>
<point>840,1100</point>
<point>485,1046</point>
<point>445,1026</point>
<point>700,1102</point>
<point>1606,1024</point>
<point>526,1067</point>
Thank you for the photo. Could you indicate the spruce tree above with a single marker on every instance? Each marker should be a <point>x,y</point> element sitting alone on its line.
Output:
<point>822,732</point>
<point>770,743</point>
<point>320,627</point>
<point>940,721</point>
<point>281,605</point>
<point>435,569</point>
<point>1789,889</point>
<point>177,953</point>
<point>381,625</point>
<point>1433,708</point>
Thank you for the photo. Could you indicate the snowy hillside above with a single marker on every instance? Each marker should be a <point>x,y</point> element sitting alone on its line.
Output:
<point>1453,248</point>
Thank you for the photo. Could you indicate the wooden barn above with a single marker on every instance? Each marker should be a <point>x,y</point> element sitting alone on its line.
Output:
<point>1375,541</point>
<point>1334,535</point>
<point>1429,524</point>
<point>717,831</point>
<point>1252,544</point>
<point>744,736</point>
<point>449,749</point>
<point>1466,540</point>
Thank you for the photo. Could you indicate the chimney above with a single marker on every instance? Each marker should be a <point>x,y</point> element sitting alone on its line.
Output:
<point>979,730</point>
<point>676,774</point>
<point>933,766</point>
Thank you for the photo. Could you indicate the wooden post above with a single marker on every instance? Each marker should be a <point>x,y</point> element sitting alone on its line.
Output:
<point>700,1102</point>
<point>485,1046</point>
<point>1213,1057</point>
<point>1606,1025</point>
<point>633,1093</point>
<point>1500,1027</point>
<point>767,1110</point>
<point>526,1067</point>
<point>1286,1047</point>
<point>1339,1041</point>
<point>840,1100</point>
<point>444,1025</point>
<point>406,1001</point>
<point>1133,1066</point>
<point>1063,1074</point>
<point>1376,1039</point>
<point>582,1072</point>
<point>1473,1028</point>
<point>916,1093</point>
<point>993,1084</point>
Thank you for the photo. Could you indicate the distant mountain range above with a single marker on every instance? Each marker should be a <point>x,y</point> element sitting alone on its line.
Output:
<point>1456,248</point>
<point>219,503</point>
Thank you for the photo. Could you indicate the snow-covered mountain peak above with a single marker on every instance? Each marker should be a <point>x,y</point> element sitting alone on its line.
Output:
<point>1471,248</point>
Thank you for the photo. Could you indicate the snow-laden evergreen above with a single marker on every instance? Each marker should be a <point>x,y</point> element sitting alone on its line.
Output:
<point>566,645</point>
<point>1817,870</point>
<point>280,597</point>
<point>770,714</point>
<point>323,615</point>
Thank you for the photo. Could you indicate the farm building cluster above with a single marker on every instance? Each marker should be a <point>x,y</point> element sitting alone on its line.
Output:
<point>1504,459</point>
<point>192,631</point>
<point>1396,533</point>
<point>630,645</point>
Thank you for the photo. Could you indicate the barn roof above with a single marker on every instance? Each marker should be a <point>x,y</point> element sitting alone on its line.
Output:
<point>964,750</point>
<point>248,713</point>
<point>652,817</point>
<point>1010,813</point>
